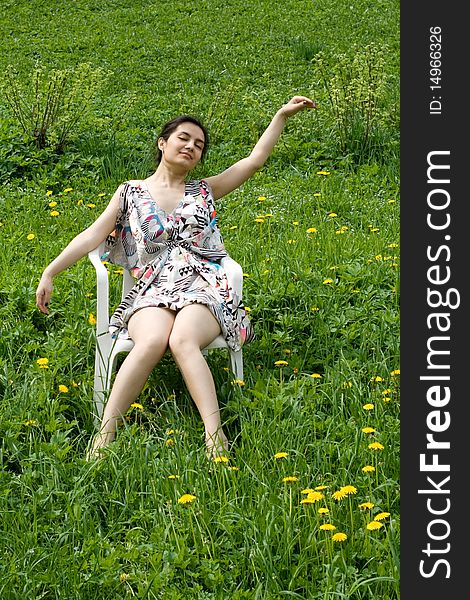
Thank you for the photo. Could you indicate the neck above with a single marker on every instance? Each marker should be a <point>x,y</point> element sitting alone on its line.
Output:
<point>168,176</point>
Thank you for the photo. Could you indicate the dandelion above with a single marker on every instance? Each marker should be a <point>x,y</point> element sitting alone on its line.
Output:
<point>349,489</point>
<point>317,194</point>
<point>368,469</point>
<point>395,373</point>
<point>221,459</point>
<point>30,236</point>
<point>31,422</point>
<point>323,511</point>
<point>91,319</point>
<point>281,363</point>
<point>137,405</point>
<point>315,376</point>
<point>101,195</point>
<point>52,204</point>
<point>259,220</point>
<point>91,205</point>
<point>292,241</point>
<point>368,406</point>
<point>332,214</point>
<point>315,496</point>
<point>123,577</point>
<point>281,454</point>
<point>49,193</point>
<point>339,494</point>
<point>238,382</point>
<point>387,399</point>
<point>321,487</point>
<point>295,222</point>
<point>312,230</point>
<point>376,446</point>
<point>268,215</point>
<point>261,198</point>
<point>323,172</point>
<point>327,281</point>
<point>170,442</point>
<point>339,537</point>
<point>368,430</point>
<point>314,309</point>
<point>67,190</point>
<point>386,392</point>
<point>347,384</point>
<point>233,468</point>
<point>307,491</point>
<point>381,516</point>
<point>374,525</point>
<point>290,479</point>
<point>54,213</point>
<point>247,309</point>
<point>63,388</point>
<point>173,476</point>
<point>79,202</point>
<point>366,505</point>
<point>186,499</point>
<point>233,227</point>
<point>327,527</point>
<point>43,362</point>
<point>377,379</point>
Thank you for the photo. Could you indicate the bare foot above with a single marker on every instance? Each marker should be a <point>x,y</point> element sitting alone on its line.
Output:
<point>216,444</point>
<point>98,442</point>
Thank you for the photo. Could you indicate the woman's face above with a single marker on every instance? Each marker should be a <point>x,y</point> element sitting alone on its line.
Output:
<point>184,146</point>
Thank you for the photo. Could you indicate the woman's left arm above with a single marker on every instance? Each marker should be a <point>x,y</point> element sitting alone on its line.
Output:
<point>239,172</point>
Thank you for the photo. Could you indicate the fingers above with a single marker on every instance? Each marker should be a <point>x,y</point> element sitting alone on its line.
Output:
<point>42,301</point>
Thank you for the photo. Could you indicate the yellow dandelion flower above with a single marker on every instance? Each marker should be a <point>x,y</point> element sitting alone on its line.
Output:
<point>233,468</point>
<point>233,227</point>
<point>261,198</point>
<point>349,489</point>
<point>281,363</point>
<point>246,275</point>
<point>49,193</point>
<point>381,516</point>
<point>281,454</point>
<point>307,491</point>
<point>314,309</point>
<point>321,487</point>
<point>91,205</point>
<point>312,230</point>
<point>30,422</point>
<point>387,391</point>
<point>323,172</point>
<point>307,500</point>
<point>259,220</point>
<point>295,222</point>
<point>52,204</point>
<point>368,469</point>
<point>374,230</point>
<point>323,511</point>
<point>221,459</point>
<point>91,319</point>
<point>339,495</point>
<point>327,527</point>
<point>238,382</point>
<point>347,384</point>
<point>63,388</point>
<point>101,195</point>
<point>247,309</point>
<point>186,499</point>
<point>366,505</point>
<point>290,479</point>
<point>173,476</point>
<point>339,537</point>
<point>374,525</point>
<point>387,399</point>
<point>377,379</point>
<point>376,446</point>
<point>332,214</point>
<point>137,405</point>
<point>54,213</point>
<point>327,281</point>
<point>317,194</point>
<point>315,496</point>
<point>368,406</point>
<point>170,442</point>
<point>42,361</point>
<point>268,215</point>
<point>393,245</point>
<point>79,202</point>
<point>395,373</point>
<point>67,190</point>
<point>30,236</point>
<point>123,577</point>
<point>315,376</point>
<point>368,430</point>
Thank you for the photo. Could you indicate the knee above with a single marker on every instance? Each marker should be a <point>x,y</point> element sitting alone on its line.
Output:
<point>182,345</point>
<point>152,346</point>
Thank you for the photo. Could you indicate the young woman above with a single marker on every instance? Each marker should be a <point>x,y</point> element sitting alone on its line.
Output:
<point>164,230</point>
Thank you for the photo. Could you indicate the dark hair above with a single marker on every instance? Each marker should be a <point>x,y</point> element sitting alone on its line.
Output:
<point>172,125</point>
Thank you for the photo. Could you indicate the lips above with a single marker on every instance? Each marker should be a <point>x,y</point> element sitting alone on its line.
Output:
<point>186,154</point>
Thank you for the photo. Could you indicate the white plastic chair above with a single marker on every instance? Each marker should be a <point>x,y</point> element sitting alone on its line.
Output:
<point>107,348</point>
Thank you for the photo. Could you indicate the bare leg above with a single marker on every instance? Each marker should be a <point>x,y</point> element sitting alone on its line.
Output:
<point>194,328</point>
<point>150,330</point>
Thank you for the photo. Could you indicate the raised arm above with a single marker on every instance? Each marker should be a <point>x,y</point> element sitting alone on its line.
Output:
<point>80,246</point>
<point>239,172</point>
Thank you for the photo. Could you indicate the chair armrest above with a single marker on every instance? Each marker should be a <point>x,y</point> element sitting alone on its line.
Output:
<point>102,290</point>
<point>234,273</point>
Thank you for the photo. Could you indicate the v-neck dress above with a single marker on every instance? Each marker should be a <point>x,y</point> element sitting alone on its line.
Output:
<point>175,257</point>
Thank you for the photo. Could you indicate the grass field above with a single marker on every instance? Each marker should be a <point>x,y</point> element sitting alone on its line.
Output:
<point>307,505</point>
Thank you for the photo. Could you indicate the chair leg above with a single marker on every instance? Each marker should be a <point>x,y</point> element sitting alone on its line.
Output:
<point>236,360</point>
<point>101,378</point>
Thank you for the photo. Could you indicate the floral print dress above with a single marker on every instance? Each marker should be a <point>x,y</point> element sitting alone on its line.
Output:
<point>175,258</point>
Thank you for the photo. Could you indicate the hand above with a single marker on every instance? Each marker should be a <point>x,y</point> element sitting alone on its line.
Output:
<point>44,293</point>
<point>296,104</point>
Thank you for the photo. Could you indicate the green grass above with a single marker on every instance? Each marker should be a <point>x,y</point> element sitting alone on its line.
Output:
<point>321,279</point>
